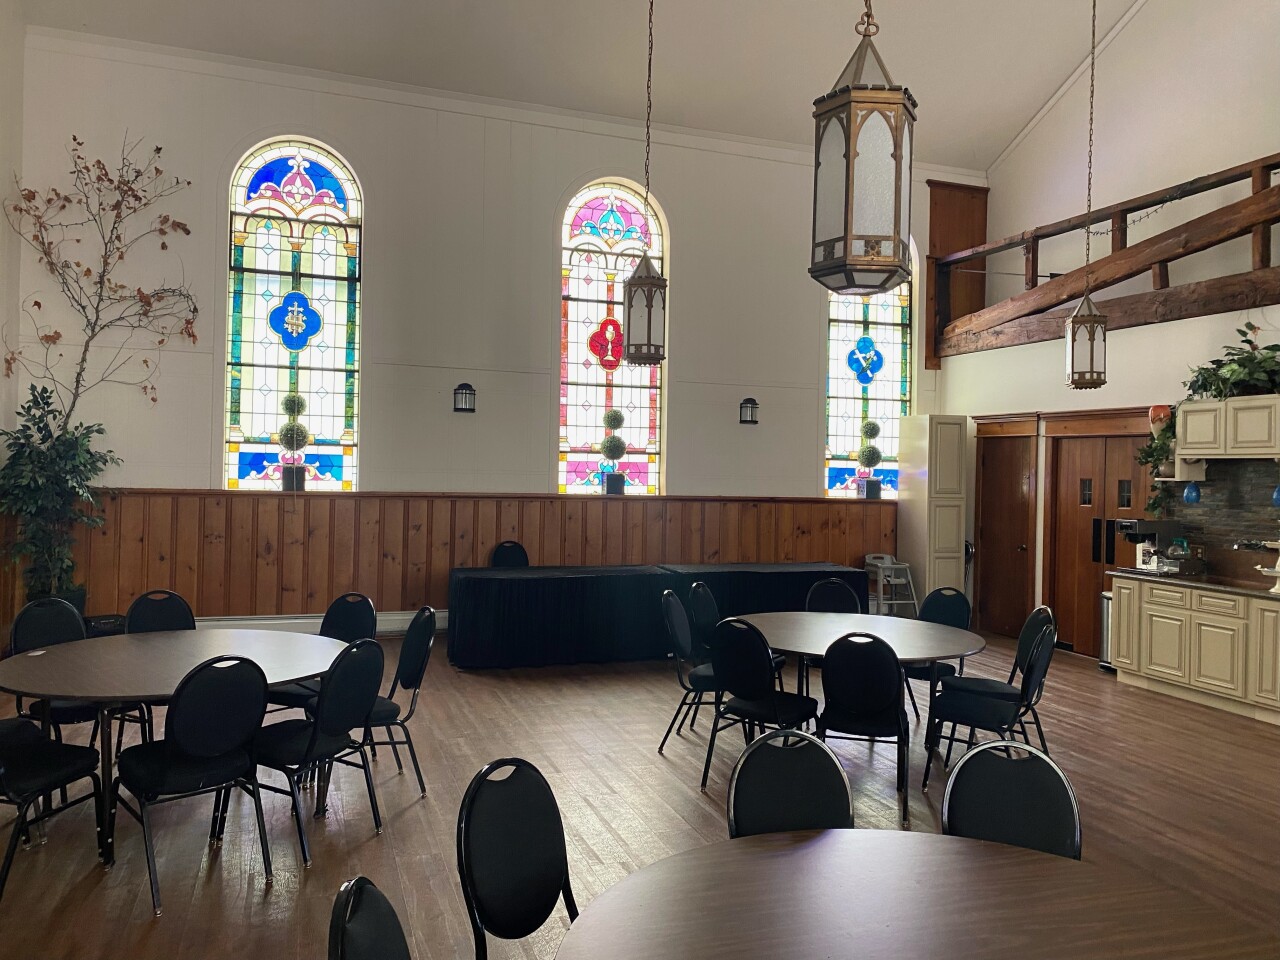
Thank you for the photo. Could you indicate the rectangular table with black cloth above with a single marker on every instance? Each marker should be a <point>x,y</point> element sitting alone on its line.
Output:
<point>742,588</point>
<point>536,616</point>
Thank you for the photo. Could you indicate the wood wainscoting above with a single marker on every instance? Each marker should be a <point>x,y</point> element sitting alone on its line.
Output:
<point>259,554</point>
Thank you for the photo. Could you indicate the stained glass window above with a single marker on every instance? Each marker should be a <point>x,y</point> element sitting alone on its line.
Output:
<point>293,320</point>
<point>606,230</point>
<point>868,379</point>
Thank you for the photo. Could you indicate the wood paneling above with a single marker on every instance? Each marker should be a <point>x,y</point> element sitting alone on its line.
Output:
<point>250,554</point>
<point>957,221</point>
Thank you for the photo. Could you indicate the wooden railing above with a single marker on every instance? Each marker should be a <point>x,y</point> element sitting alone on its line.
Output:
<point>247,554</point>
<point>1026,318</point>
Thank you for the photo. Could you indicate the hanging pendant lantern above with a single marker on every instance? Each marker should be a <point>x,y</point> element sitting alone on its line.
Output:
<point>644,294</point>
<point>1086,333</point>
<point>862,175</point>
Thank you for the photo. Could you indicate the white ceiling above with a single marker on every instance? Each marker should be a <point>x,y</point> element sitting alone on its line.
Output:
<point>981,69</point>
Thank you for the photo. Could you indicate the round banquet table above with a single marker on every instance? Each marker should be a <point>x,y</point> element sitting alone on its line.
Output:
<point>133,667</point>
<point>881,894</point>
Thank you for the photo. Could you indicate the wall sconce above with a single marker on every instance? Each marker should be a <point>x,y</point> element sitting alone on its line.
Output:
<point>749,411</point>
<point>464,398</point>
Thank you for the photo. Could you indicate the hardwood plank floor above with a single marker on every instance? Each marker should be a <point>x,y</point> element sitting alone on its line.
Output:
<point>1187,792</point>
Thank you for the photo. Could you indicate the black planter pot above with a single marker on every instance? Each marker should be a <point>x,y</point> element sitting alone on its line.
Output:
<point>615,484</point>
<point>75,596</point>
<point>871,489</point>
<point>293,478</point>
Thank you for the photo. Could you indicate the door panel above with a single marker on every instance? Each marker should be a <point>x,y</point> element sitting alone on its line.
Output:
<point>1127,487</point>
<point>1079,550</point>
<point>1005,532</point>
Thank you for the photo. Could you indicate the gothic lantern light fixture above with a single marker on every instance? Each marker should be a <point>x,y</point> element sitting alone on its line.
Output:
<point>862,175</point>
<point>749,410</point>
<point>1086,328</point>
<point>464,398</point>
<point>644,294</point>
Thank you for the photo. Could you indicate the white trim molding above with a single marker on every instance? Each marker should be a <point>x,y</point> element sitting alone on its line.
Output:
<point>390,622</point>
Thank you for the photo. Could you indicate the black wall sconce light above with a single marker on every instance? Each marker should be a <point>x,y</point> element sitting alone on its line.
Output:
<point>464,398</point>
<point>749,411</point>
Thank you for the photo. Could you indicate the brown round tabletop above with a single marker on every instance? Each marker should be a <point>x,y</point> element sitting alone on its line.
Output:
<point>148,666</point>
<point>914,641</point>
<point>881,894</point>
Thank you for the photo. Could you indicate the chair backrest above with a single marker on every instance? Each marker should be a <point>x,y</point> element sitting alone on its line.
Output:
<point>217,707</point>
<point>861,676</point>
<point>832,596</point>
<point>44,623</point>
<point>1010,792</point>
<point>704,613</point>
<point>788,780</point>
<point>742,660</point>
<point>946,606</point>
<point>678,629</point>
<point>350,688</point>
<point>158,610</point>
<point>364,925</point>
<point>1033,676</point>
<point>512,861</point>
<point>415,651</point>
<point>509,553</point>
<point>349,618</point>
<point>1036,621</point>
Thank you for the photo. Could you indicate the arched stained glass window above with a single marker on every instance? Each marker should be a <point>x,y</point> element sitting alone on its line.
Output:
<point>605,233</point>
<point>868,378</point>
<point>293,325</point>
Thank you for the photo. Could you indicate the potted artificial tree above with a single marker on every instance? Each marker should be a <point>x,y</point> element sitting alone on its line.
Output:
<point>613,448</point>
<point>869,457</point>
<point>293,438</point>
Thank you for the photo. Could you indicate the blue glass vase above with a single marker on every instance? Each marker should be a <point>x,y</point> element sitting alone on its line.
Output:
<point>1275,497</point>
<point>1191,493</point>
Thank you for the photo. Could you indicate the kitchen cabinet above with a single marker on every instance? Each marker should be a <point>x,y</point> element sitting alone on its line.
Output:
<point>1164,638</point>
<point>1240,428</point>
<point>1124,625</point>
<point>1201,428</point>
<point>1217,653</point>
<point>1263,663</point>
<point>933,511</point>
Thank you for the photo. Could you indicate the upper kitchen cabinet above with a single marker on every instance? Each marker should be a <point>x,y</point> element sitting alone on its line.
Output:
<point>1240,428</point>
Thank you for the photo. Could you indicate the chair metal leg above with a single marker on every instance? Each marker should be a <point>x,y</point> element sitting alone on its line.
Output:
<point>693,717</point>
<point>413,756</point>
<point>711,745</point>
<point>373,796</point>
<point>930,744</point>
<point>213,821</point>
<point>395,752</point>
<point>904,773</point>
<point>690,712</point>
<point>297,816</point>
<point>149,843</point>
<point>682,705</point>
<point>256,793</point>
<point>222,813</point>
<point>1035,718</point>
<point>951,742</point>
<point>19,828</point>
<point>321,775</point>
<point>912,695</point>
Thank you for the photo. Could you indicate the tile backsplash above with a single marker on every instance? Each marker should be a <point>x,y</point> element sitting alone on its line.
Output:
<point>1235,504</point>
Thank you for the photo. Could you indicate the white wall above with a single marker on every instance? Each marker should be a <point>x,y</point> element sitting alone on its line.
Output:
<point>1184,89</point>
<point>11,49</point>
<point>463,201</point>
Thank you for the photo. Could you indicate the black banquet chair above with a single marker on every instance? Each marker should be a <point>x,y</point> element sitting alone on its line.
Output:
<point>32,765</point>
<point>512,861</point>
<point>411,668</point>
<point>948,607</point>
<point>1010,792</point>
<point>744,669</point>
<point>863,685</point>
<point>213,716</point>
<point>788,780</point>
<point>297,748</point>
<point>364,925</point>
<point>509,553</point>
<point>158,610</point>
<point>831,595</point>
<point>350,617</point>
<point>697,680</point>
<point>704,614</point>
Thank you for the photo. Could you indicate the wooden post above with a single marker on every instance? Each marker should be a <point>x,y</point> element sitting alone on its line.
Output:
<point>1159,276</point>
<point>1262,232</point>
<point>1119,232</point>
<point>1032,254</point>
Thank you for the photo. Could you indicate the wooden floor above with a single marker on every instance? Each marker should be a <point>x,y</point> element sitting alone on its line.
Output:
<point>1189,793</point>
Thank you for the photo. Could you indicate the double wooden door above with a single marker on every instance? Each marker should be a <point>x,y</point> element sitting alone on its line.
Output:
<point>1096,482</point>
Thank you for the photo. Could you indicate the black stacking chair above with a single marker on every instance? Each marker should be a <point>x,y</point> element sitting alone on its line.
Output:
<point>298,747</point>
<point>744,669</point>
<point>863,685</point>
<point>208,731</point>
<point>411,668</point>
<point>158,610</point>
<point>704,613</point>
<point>32,766</point>
<point>827,596</point>
<point>788,780</point>
<point>45,623</point>
<point>509,554</point>
<point>349,618</point>
<point>1009,792</point>
<point>512,861</point>
<point>1001,717</point>
<point>697,680</point>
<point>950,608</point>
<point>364,925</point>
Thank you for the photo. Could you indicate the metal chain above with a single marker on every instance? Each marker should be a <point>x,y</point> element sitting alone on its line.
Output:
<point>1088,223</point>
<point>867,26</point>
<point>648,111</point>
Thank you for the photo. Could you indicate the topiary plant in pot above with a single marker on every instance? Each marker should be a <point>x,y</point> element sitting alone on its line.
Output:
<point>870,457</point>
<point>293,438</point>
<point>613,448</point>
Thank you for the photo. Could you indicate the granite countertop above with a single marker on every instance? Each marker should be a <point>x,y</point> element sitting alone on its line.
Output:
<point>1247,588</point>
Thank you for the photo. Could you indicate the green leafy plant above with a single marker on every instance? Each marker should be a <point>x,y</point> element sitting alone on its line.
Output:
<point>613,419</point>
<point>613,447</point>
<point>1156,454</point>
<point>293,436</point>
<point>1248,370</point>
<point>46,484</point>
<point>293,405</point>
<point>870,429</point>
<point>869,457</point>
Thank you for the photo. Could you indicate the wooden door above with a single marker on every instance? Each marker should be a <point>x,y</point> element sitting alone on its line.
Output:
<point>1078,558</point>
<point>1005,532</point>
<point>1127,486</point>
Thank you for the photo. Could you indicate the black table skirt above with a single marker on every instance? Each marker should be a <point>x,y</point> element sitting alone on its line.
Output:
<point>536,616</point>
<point>742,588</point>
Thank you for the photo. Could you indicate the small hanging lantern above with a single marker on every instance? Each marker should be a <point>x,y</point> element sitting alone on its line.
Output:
<point>749,411</point>
<point>464,398</point>
<point>1086,333</point>
<point>862,196</point>
<point>644,293</point>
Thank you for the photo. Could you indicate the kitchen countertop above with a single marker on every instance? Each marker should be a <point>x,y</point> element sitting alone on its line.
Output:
<point>1245,588</point>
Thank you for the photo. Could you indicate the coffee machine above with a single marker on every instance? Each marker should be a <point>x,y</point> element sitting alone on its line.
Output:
<point>1153,539</point>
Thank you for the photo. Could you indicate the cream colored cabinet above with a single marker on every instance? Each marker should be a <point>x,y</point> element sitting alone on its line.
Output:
<point>1253,426</point>
<point>1201,428</point>
<point>1164,636</point>
<point>933,512</point>
<point>1217,653</point>
<point>947,461</point>
<point>1124,625</point>
<point>1263,661</point>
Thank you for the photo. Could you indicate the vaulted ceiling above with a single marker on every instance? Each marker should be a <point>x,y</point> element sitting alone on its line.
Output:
<point>981,69</point>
